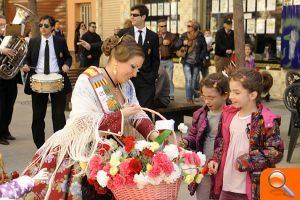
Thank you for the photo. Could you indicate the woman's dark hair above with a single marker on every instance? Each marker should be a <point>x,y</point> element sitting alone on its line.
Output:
<point>50,19</point>
<point>252,80</point>
<point>267,81</point>
<point>121,48</point>
<point>78,26</point>
<point>217,81</point>
<point>142,8</point>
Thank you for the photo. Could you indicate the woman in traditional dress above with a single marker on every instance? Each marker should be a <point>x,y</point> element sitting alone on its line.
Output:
<point>103,102</point>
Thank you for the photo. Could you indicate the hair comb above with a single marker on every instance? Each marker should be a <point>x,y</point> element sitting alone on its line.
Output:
<point>243,79</point>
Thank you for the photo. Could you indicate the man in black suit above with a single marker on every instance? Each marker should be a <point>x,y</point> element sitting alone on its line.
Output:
<point>144,83</point>
<point>47,54</point>
<point>8,92</point>
<point>92,43</point>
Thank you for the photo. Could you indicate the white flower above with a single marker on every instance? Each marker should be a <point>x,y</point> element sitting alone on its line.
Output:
<point>183,128</point>
<point>116,155</point>
<point>157,180</point>
<point>171,151</point>
<point>188,169</point>
<point>141,145</point>
<point>174,175</point>
<point>102,178</point>
<point>140,180</point>
<point>202,158</point>
<point>154,146</point>
<point>113,144</point>
<point>115,158</point>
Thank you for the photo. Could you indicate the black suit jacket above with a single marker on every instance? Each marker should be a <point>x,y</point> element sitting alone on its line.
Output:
<point>62,55</point>
<point>149,70</point>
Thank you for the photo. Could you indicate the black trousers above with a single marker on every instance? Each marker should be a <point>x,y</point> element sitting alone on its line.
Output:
<point>39,108</point>
<point>8,95</point>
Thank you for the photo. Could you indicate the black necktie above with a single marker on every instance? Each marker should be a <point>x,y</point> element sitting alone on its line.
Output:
<point>140,41</point>
<point>46,61</point>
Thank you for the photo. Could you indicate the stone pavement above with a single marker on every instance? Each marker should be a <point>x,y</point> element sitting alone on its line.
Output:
<point>20,151</point>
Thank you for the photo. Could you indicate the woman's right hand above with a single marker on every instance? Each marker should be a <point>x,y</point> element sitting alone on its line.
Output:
<point>130,110</point>
<point>212,167</point>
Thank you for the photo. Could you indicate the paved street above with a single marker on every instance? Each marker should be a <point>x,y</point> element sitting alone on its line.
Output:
<point>20,152</point>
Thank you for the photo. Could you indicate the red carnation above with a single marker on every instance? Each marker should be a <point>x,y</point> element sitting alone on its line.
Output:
<point>204,170</point>
<point>129,143</point>
<point>135,166</point>
<point>103,148</point>
<point>148,153</point>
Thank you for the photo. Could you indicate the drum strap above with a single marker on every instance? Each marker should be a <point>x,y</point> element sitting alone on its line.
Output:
<point>102,90</point>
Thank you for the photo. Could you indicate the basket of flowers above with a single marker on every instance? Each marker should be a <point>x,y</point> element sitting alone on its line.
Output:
<point>144,170</point>
<point>4,177</point>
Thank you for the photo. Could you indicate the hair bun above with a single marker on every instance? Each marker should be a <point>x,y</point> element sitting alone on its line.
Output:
<point>110,43</point>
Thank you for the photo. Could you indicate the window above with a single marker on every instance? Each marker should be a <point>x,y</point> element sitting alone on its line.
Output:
<point>85,13</point>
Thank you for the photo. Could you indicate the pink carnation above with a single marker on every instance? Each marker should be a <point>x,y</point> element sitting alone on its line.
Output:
<point>106,168</point>
<point>95,166</point>
<point>161,162</point>
<point>116,181</point>
<point>154,172</point>
<point>124,167</point>
<point>191,158</point>
<point>129,181</point>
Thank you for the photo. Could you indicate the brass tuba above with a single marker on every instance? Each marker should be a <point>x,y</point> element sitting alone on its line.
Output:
<point>9,66</point>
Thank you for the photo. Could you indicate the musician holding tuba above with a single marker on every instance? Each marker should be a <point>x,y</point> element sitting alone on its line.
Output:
<point>8,91</point>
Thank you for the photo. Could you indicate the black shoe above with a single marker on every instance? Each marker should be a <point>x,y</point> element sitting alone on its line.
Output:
<point>10,137</point>
<point>4,141</point>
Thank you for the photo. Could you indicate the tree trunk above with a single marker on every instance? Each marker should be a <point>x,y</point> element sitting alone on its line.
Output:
<point>239,33</point>
<point>32,5</point>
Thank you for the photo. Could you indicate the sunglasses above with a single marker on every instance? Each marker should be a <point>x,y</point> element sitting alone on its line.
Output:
<point>94,26</point>
<point>189,26</point>
<point>135,15</point>
<point>45,25</point>
<point>163,26</point>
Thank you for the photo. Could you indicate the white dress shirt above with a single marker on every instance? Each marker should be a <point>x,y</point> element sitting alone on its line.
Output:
<point>53,65</point>
<point>137,34</point>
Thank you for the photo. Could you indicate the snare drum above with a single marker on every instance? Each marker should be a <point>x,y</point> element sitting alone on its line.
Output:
<point>46,83</point>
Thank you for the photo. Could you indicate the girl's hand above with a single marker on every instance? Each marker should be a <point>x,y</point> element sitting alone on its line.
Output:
<point>41,176</point>
<point>130,110</point>
<point>212,167</point>
<point>183,143</point>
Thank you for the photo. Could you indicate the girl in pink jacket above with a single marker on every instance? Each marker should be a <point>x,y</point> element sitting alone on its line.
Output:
<point>248,140</point>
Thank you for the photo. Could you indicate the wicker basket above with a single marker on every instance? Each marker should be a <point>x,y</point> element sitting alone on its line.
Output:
<point>3,177</point>
<point>163,191</point>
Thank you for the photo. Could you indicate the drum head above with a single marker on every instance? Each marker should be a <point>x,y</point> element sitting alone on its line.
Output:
<point>46,77</point>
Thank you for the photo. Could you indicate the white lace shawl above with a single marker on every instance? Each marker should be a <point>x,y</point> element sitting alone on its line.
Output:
<point>80,136</point>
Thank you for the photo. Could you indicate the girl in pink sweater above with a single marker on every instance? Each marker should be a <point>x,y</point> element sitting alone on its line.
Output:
<point>248,140</point>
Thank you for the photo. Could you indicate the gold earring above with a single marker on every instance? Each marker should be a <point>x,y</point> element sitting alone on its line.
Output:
<point>115,70</point>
